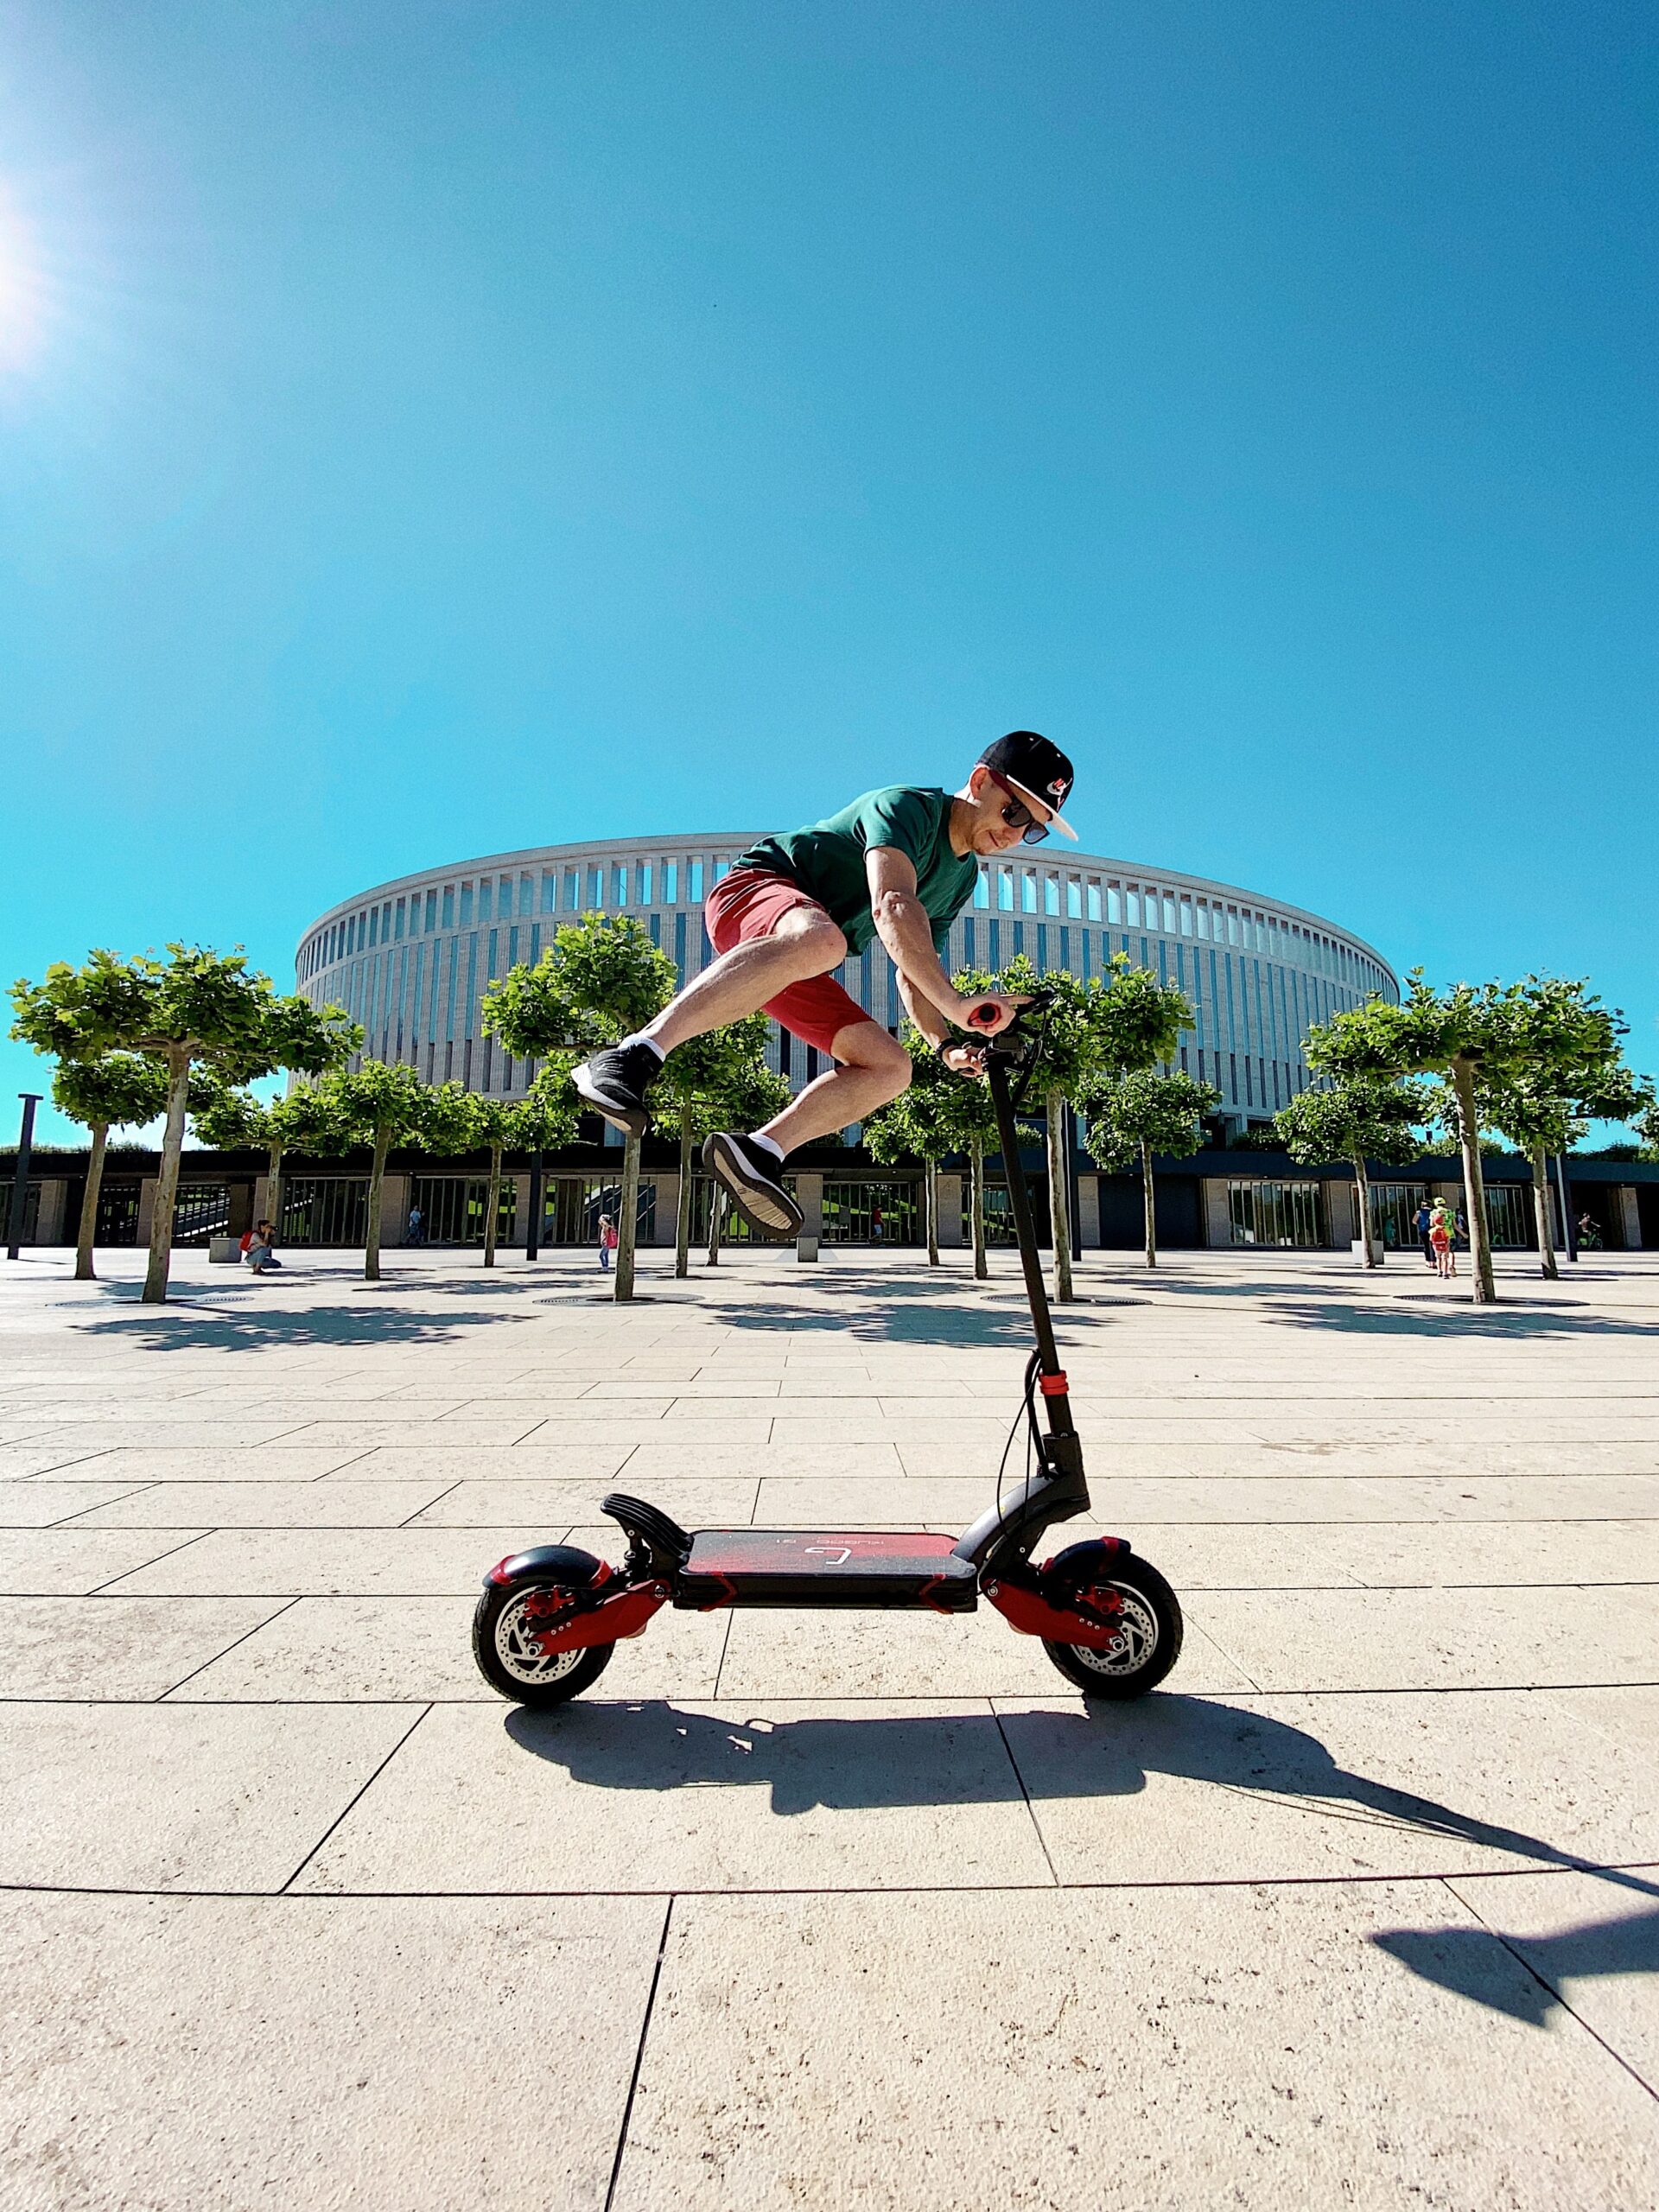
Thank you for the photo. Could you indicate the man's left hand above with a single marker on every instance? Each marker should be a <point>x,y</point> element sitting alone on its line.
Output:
<point>964,1059</point>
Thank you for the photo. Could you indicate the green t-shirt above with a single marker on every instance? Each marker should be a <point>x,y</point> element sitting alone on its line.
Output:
<point>827,859</point>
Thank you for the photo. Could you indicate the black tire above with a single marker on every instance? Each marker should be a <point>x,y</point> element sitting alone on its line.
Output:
<point>1153,1623</point>
<point>543,1682</point>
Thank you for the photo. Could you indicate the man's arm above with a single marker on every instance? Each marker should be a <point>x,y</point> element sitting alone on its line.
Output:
<point>905,928</point>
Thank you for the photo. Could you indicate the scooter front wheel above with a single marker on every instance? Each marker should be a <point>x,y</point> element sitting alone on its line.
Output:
<point>510,1656</point>
<point>1148,1619</point>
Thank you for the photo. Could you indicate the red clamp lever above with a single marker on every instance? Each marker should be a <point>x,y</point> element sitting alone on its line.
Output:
<point>1053,1386</point>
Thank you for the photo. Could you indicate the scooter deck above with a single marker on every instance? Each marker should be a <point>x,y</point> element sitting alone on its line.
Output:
<point>869,1568</point>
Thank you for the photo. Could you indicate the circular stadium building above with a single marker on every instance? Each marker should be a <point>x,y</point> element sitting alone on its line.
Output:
<point>411,960</point>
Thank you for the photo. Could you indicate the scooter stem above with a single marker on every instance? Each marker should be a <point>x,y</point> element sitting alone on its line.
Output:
<point>1025,1230</point>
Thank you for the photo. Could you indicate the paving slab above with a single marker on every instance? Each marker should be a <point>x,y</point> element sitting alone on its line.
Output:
<point>645,1796</point>
<point>17,1460</point>
<point>508,1502</point>
<point>66,1647</point>
<point>1592,1941</point>
<point>323,1562</point>
<point>1534,1552</point>
<point>1199,1789</point>
<point>71,1561</point>
<point>267,1505</point>
<point>224,1461</point>
<point>180,1797</point>
<point>1151,2052</point>
<point>316,2052</point>
<point>1429,1639</point>
<point>449,1463</point>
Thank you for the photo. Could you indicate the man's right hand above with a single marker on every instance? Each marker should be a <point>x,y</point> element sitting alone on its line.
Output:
<point>990,1015</point>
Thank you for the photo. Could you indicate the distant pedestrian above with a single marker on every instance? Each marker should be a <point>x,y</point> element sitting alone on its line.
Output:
<point>255,1250</point>
<point>1440,1237</point>
<point>1420,1222</point>
<point>607,1242</point>
<point>414,1228</point>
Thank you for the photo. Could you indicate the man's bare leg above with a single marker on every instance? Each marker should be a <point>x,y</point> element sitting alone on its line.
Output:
<point>873,1068</point>
<point>741,982</point>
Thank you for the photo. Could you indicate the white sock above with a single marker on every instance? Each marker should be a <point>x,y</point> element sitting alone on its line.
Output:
<point>650,1044</point>
<point>766,1145</point>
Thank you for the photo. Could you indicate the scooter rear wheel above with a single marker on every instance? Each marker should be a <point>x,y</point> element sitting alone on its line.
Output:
<point>1150,1625</point>
<point>513,1663</point>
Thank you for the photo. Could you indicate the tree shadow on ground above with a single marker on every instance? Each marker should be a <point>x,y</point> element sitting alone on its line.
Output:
<point>931,1759</point>
<point>166,1328</point>
<point>1492,1321</point>
<point>975,1327</point>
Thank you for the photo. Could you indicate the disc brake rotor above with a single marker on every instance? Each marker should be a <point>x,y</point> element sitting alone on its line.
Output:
<point>1133,1645</point>
<point>519,1627</point>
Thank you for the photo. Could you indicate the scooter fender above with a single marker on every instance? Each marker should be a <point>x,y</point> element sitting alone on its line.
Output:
<point>571,1576</point>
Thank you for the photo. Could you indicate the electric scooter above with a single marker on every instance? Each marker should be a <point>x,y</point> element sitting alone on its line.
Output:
<point>550,1616</point>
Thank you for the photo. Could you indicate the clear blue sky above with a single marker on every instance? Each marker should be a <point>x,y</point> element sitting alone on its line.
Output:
<point>430,429</point>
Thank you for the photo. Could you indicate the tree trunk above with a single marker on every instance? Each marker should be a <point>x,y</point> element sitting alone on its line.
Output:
<point>931,1199</point>
<point>167,1178</point>
<point>1363,1185</point>
<point>976,1205</point>
<point>1541,1210</point>
<point>377,1175</point>
<point>627,1227</point>
<point>715,1199</point>
<point>274,1190</point>
<point>683,1204</point>
<point>491,1205</point>
<point>85,1271</point>
<point>1474,1182</point>
<point>1059,1210</point>
<point>1148,1204</point>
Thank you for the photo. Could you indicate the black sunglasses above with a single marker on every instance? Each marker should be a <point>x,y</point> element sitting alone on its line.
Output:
<point>1017,814</point>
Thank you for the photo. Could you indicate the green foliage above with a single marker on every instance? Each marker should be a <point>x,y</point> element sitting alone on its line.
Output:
<point>111,1092</point>
<point>1136,1020</point>
<point>384,1103</point>
<point>1369,1118</point>
<point>196,1006</point>
<point>1129,1115</point>
<point>601,978</point>
<point>1647,1126</point>
<point>719,1081</point>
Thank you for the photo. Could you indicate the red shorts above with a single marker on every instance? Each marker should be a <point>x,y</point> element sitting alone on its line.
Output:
<point>750,902</point>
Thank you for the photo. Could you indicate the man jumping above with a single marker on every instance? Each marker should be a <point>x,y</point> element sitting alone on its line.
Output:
<point>898,864</point>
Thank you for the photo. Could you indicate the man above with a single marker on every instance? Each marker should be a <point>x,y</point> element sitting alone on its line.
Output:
<point>898,865</point>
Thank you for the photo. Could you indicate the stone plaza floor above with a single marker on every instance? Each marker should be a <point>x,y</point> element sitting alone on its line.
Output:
<point>804,1910</point>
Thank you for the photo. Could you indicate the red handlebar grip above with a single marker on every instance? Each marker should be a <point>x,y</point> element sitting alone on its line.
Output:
<point>982,1017</point>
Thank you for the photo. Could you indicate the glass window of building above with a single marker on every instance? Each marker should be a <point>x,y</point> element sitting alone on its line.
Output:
<point>486,898</point>
<point>1073,899</point>
<point>1005,889</point>
<point>1114,903</point>
<point>723,868</point>
<point>1131,907</point>
<point>1027,890</point>
<point>549,891</point>
<point>595,886</point>
<point>1051,894</point>
<point>619,886</point>
<point>670,883</point>
<point>982,887</point>
<point>448,905</point>
<point>642,884</point>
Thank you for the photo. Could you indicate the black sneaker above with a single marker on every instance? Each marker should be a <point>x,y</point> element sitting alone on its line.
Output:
<point>614,1082</point>
<point>753,1178</point>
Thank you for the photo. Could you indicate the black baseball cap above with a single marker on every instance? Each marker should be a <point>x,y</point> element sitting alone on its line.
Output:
<point>1040,771</point>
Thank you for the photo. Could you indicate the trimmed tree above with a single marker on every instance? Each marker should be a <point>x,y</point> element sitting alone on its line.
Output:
<point>114,1092</point>
<point>599,980</point>
<point>1564,1068</point>
<point>1065,1065</point>
<point>229,1119</point>
<point>1463,1035</point>
<point>383,1104</point>
<point>921,1124</point>
<point>1132,1116</point>
<point>545,1118</point>
<point>196,1011</point>
<point>715,1082</point>
<point>1369,1118</point>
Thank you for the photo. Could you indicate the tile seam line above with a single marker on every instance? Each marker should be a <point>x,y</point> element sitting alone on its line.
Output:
<point>1544,1983</point>
<point>286,1605</point>
<point>355,1800</point>
<point>1031,1810</point>
<point>99,1589</point>
<point>639,2055</point>
<point>1431,1879</point>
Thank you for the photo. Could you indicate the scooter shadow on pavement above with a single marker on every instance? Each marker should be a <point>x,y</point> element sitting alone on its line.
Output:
<point>978,1758</point>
